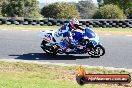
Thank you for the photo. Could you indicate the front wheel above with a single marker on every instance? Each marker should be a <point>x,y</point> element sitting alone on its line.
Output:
<point>97,51</point>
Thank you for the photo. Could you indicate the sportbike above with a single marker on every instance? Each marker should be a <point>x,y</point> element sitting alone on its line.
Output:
<point>87,42</point>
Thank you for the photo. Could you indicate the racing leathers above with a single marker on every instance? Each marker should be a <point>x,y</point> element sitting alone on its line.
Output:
<point>67,42</point>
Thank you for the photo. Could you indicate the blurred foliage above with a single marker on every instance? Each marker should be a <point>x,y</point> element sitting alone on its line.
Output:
<point>128,13</point>
<point>1,1</point>
<point>100,2</point>
<point>60,10</point>
<point>20,8</point>
<point>125,5</point>
<point>109,12</point>
<point>86,9</point>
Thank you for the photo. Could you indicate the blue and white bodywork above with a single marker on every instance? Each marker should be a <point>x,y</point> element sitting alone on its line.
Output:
<point>87,41</point>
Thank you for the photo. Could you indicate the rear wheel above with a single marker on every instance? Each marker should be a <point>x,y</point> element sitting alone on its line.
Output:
<point>48,49</point>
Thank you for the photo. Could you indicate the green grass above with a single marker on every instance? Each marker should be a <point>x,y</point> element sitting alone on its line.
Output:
<point>34,82</point>
<point>37,27</point>
<point>31,75</point>
<point>115,29</point>
<point>30,27</point>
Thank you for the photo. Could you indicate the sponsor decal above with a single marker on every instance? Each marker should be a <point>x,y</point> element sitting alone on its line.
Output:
<point>83,78</point>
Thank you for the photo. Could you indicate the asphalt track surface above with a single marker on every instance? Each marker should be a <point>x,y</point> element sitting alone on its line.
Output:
<point>25,45</point>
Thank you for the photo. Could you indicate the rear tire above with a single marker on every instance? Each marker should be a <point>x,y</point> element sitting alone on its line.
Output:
<point>50,51</point>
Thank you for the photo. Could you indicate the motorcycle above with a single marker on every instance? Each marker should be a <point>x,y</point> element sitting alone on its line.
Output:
<point>87,42</point>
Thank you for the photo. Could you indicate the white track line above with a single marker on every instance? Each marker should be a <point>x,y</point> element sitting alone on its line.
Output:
<point>125,35</point>
<point>107,34</point>
<point>4,29</point>
<point>25,30</point>
<point>129,35</point>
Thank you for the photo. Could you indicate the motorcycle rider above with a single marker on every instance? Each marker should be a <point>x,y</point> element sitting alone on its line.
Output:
<point>67,32</point>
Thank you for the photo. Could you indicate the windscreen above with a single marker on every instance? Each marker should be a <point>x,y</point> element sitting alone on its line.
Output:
<point>90,33</point>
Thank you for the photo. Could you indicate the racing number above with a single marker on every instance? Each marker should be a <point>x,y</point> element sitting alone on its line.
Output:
<point>47,37</point>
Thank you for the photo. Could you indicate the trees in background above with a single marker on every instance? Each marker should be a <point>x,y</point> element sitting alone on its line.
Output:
<point>100,2</point>
<point>128,12</point>
<point>1,1</point>
<point>109,12</point>
<point>107,9</point>
<point>20,8</point>
<point>86,9</point>
<point>125,5</point>
<point>60,10</point>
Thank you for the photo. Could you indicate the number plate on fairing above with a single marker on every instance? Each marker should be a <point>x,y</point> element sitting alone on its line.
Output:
<point>47,37</point>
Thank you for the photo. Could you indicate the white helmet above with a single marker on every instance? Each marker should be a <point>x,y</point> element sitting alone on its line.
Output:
<point>74,23</point>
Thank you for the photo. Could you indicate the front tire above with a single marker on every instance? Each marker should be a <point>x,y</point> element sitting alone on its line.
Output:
<point>97,51</point>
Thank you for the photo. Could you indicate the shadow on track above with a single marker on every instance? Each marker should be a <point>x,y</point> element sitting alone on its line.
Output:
<point>44,56</point>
